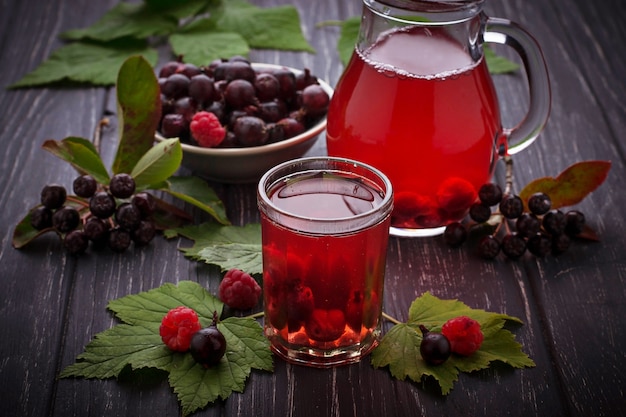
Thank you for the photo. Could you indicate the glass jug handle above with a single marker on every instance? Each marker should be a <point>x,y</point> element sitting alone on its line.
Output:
<point>505,32</point>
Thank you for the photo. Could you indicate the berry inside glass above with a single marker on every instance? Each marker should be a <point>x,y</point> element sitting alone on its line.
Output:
<point>325,225</point>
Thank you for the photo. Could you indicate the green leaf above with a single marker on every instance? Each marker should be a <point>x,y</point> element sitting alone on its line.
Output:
<point>226,246</point>
<point>24,232</point>
<point>139,112</point>
<point>82,62</point>
<point>498,64</point>
<point>269,27</point>
<point>571,186</point>
<point>126,20</point>
<point>158,164</point>
<point>136,343</point>
<point>182,9</point>
<point>200,43</point>
<point>82,154</point>
<point>347,38</point>
<point>399,348</point>
<point>197,192</point>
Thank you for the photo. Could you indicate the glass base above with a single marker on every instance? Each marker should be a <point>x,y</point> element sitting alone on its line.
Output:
<point>318,358</point>
<point>403,232</point>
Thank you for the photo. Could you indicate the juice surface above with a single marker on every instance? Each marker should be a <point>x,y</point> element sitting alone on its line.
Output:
<point>428,118</point>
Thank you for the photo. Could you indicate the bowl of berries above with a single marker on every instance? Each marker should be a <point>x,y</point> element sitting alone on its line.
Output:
<point>237,119</point>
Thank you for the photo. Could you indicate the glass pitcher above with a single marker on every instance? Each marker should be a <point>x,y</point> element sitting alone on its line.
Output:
<point>417,101</point>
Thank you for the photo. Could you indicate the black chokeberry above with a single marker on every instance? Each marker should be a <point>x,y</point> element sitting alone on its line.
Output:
<point>574,222</point>
<point>96,229</point>
<point>102,205</point>
<point>41,218</point>
<point>539,203</point>
<point>490,194</point>
<point>119,239</point>
<point>76,242</point>
<point>539,245</point>
<point>128,216</point>
<point>488,247</point>
<point>53,196</point>
<point>144,233</point>
<point>65,219</point>
<point>435,347</point>
<point>511,206</point>
<point>513,245</point>
<point>208,345</point>
<point>554,222</point>
<point>527,224</point>
<point>85,186</point>
<point>122,185</point>
<point>560,243</point>
<point>480,212</point>
<point>455,234</point>
<point>145,203</point>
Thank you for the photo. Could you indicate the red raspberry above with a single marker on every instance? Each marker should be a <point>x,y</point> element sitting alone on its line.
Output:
<point>177,328</point>
<point>325,325</point>
<point>464,335</point>
<point>456,195</point>
<point>239,290</point>
<point>206,129</point>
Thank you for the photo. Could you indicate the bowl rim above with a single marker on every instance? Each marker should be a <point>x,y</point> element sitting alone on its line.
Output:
<point>310,133</point>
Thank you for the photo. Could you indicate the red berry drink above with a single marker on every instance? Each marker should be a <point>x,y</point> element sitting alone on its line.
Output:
<point>325,225</point>
<point>417,107</point>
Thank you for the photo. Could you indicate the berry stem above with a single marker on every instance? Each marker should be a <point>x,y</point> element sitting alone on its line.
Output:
<point>391,319</point>
<point>256,315</point>
<point>98,132</point>
<point>508,187</point>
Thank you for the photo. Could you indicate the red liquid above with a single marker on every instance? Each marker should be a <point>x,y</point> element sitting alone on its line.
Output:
<point>431,128</point>
<point>323,292</point>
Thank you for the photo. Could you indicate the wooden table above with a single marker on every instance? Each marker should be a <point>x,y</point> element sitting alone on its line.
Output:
<point>573,305</point>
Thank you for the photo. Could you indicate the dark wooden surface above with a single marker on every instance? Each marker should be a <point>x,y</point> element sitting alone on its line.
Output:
<point>573,305</point>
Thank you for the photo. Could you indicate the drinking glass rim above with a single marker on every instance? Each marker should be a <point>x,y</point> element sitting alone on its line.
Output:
<point>380,212</point>
<point>440,12</point>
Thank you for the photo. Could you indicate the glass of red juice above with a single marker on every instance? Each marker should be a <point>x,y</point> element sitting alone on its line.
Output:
<point>325,226</point>
<point>417,101</point>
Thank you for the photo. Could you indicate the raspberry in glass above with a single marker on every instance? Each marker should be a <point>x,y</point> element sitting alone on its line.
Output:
<point>464,334</point>
<point>178,327</point>
<point>239,290</point>
<point>206,129</point>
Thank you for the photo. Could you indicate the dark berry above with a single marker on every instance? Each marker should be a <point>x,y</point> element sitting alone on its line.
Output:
<point>174,125</point>
<point>119,239</point>
<point>240,93</point>
<point>267,87</point>
<point>122,185</point>
<point>513,245</point>
<point>76,242</point>
<point>96,229</point>
<point>539,245</point>
<point>41,218</point>
<point>201,89</point>
<point>560,243</point>
<point>554,222</point>
<point>527,224</point>
<point>479,212</point>
<point>287,81</point>
<point>53,196</point>
<point>488,247</point>
<point>234,70</point>
<point>490,194</point>
<point>208,345</point>
<point>250,131</point>
<point>539,203</point>
<point>574,222</point>
<point>176,86</point>
<point>435,347</point>
<point>315,100</point>
<point>85,186</point>
<point>102,205</point>
<point>455,234</point>
<point>128,216</point>
<point>511,206</point>
<point>145,203</point>
<point>304,79</point>
<point>144,233</point>
<point>65,219</point>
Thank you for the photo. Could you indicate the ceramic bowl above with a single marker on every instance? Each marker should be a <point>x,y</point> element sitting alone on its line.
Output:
<point>246,165</point>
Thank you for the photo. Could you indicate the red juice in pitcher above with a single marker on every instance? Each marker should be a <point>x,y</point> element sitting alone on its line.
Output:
<point>429,120</point>
<point>323,291</point>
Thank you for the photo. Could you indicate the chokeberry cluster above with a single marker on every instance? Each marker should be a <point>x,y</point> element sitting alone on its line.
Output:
<point>250,107</point>
<point>112,215</point>
<point>535,227</point>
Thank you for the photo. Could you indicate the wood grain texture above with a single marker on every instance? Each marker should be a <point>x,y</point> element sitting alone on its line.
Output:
<point>573,305</point>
